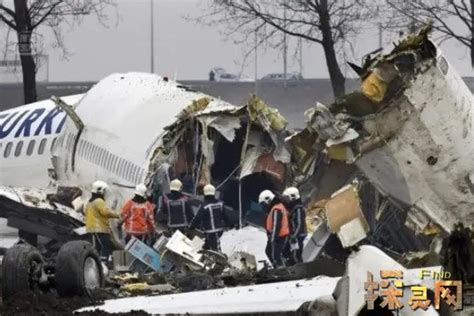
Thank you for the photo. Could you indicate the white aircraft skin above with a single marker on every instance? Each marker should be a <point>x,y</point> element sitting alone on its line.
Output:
<point>27,134</point>
<point>124,116</point>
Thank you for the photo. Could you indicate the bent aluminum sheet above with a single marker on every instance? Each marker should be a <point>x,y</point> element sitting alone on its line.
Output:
<point>274,297</point>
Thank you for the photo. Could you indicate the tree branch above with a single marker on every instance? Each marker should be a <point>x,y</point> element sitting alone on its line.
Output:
<point>10,12</point>
<point>47,14</point>
<point>10,24</point>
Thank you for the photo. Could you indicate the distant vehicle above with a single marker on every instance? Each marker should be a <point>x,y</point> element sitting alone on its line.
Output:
<point>220,74</point>
<point>227,77</point>
<point>280,76</point>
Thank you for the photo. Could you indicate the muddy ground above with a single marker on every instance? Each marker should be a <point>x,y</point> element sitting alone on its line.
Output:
<point>50,304</point>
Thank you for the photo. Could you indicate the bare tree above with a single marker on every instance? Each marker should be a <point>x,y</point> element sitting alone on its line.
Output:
<point>26,16</point>
<point>329,23</point>
<point>452,18</point>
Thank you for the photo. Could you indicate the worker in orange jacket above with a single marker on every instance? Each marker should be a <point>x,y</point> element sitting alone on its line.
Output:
<point>277,226</point>
<point>137,216</point>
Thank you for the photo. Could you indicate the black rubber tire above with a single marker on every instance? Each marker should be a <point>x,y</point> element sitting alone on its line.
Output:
<point>17,274</point>
<point>69,273</point>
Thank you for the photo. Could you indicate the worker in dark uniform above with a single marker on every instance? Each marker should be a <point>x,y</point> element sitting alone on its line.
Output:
<point>298,224</point>
<point>174,209</point>
<point>277,226</point>
<point>211,218</point>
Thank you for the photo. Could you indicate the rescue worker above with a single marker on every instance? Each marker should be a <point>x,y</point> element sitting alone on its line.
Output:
<point>97,219</point>
<point>175,209</point>
<point>137,216</point>
<point>277,226</point>
<point>211,218</point>
<point>298,223</point>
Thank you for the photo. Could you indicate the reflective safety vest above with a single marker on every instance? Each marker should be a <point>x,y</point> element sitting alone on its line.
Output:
<point>138,218</point>
<point>177,216</point>
<point>285,227</point>
<point>97,216</point>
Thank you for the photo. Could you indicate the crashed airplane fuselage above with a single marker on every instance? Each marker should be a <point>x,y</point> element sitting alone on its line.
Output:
<point>133,128</point>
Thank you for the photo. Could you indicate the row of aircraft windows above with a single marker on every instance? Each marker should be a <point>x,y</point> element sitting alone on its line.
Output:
<point>101,157</point>
<point>30,148</point>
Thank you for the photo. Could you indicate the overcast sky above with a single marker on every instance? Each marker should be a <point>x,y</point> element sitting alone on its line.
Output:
<point>184,48</point>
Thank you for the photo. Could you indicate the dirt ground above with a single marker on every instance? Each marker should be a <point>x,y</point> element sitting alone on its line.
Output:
<point>50,304</point>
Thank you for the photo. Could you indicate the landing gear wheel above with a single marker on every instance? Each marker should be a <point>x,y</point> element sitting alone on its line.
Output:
<point>21,270</point>
<point>78,269</point>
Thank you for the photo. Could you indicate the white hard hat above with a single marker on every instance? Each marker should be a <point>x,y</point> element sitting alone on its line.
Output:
<point>140,190</point>
<point>291,193</point>
<point>266,196</point>
<point>176,185</point>
<point>209,189</point>
<point>99,187</point>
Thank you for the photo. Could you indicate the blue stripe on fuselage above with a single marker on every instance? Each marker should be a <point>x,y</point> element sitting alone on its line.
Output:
<point>22,122</point>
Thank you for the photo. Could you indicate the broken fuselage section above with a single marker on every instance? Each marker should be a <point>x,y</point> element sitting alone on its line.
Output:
<point>409,130</point>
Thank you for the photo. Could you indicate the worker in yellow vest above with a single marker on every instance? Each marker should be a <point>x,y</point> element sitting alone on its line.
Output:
<point>97,219</point>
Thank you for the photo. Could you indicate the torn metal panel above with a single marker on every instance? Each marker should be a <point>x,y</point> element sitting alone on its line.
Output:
<point>343,207</point>
<point>323,122</point>
<point>414,119</point>
<point>250,160</point>
<point>266,163</point>
<point>225,125</point>
<point>285,297</point>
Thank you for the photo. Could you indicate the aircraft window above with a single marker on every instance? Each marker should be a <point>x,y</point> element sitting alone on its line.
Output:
<point>111,162</point>
<point>120,167</point>
<point>86,149</point>
<point>130,175</point>
<point>71,144</point>
<point>31,147</point>
<point>53,142</point>
<point>114,164</point>
<point>95,153</point>
<point>103,158</point>
<point>8,149</point>
<point>90,147</point>
<point>69,141</point>
<point>18,148</point>
<point>60,140</point>
<point>106,160</point>
<point>132,170</point>
<point>41,146</point>
<point>117,166</point>
<point>127,170</point>
<point>99,157</point>
<point>80,149</point>
<point>135,173</point>
<point>89,151</point>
